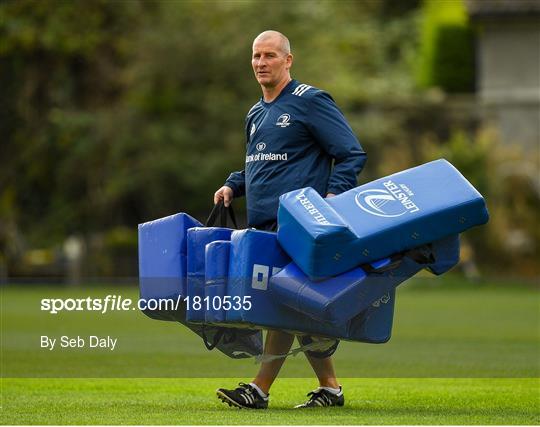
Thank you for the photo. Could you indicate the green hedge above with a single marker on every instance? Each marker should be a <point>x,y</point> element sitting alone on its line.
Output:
<point>447,47</point>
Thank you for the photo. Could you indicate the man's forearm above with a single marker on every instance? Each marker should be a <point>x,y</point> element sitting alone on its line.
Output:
<point>237,182</point>
<point>345,172</point>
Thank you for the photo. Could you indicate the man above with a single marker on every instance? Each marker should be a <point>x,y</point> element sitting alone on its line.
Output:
<point>296,137</point>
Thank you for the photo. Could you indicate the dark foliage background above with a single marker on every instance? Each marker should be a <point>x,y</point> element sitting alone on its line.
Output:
<point>118,112</point>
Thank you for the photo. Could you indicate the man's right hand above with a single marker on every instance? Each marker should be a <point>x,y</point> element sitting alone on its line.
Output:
<point>224,194</point>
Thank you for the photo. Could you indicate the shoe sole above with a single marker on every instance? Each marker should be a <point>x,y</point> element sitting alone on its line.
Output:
<point>302,406</point>
<point>226,399</point>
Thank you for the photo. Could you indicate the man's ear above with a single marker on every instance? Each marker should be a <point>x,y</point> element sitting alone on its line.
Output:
<point>289,60</point>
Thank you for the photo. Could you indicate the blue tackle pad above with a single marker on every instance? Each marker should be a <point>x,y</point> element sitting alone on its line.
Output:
<point>340,298</point>
<point>162,260</point>
<point>216,279</point>
<point>197,239</point>
<point>327,237</point>
<point>254,257</point>
<point>374,325</point>
<point>163,269</point>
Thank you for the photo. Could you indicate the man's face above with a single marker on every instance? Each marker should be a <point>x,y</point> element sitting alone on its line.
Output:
<point>270,64</point>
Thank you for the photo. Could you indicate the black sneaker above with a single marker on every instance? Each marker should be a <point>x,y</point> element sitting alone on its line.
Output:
<point>322,398</point>
<point>244,396</point>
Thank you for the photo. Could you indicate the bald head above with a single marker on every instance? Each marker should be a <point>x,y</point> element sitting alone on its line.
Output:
<point>271,61</point>
<point>283,42</point>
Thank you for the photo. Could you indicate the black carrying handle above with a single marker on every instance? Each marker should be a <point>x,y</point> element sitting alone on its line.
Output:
<point>221,212</point>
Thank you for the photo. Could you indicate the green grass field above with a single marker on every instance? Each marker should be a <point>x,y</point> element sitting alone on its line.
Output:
<point>192,401</point>
<point>460,354</point>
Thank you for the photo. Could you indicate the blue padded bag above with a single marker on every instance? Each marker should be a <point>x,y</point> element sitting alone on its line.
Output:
<point>197,239</point>
<point>326,237</point>
<point>374,325</point>
<point>254,257</point>
<point>162,275</point>
<point>216,278</point>
<point>340,298</point>
<point>446,254</point>
<point>162,260</point>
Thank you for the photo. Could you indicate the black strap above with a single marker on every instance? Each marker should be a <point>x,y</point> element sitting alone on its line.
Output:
<point>420,255</point>
<point>227,335</point>
<point>221,212</point>
<point>217,337</point>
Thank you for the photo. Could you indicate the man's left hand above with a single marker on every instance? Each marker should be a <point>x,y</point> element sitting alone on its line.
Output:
<point>330,195</point>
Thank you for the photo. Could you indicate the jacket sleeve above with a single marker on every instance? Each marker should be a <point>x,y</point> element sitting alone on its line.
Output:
<point>331,130</point>
<point>237,181</point>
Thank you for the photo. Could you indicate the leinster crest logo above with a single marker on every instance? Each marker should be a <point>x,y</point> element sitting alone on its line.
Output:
<point>380,203</point>
<point>283,120</point>
<point>392,201</point>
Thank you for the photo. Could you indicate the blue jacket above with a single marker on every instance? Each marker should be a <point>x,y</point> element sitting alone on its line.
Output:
<point>301,139</point>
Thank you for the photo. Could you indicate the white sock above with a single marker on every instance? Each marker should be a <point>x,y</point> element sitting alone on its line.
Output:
<point>261,393</point>
<point>336,391</point>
